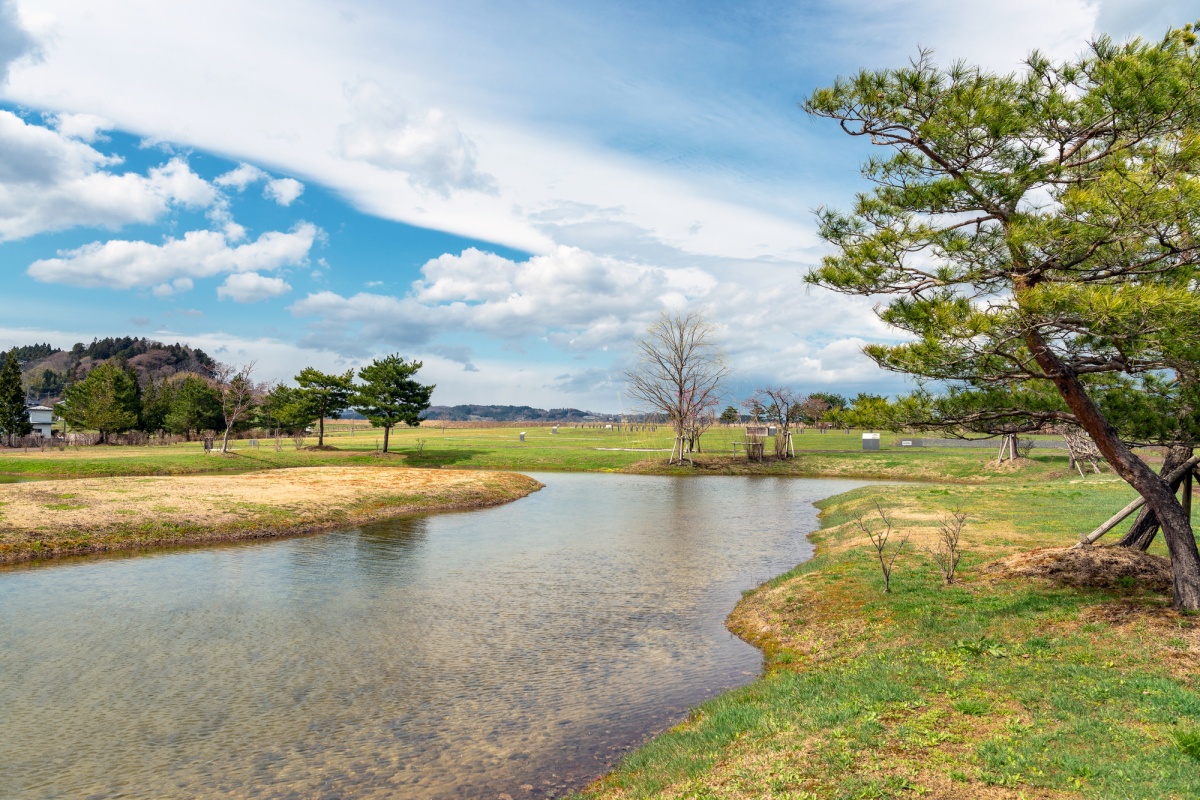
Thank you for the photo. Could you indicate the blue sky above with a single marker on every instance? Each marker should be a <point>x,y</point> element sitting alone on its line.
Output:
<point>509,191</point>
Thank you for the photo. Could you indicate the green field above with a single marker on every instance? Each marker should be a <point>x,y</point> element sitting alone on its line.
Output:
<point>571,449</point>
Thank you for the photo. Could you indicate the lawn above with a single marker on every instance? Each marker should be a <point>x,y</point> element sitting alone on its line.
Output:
<point>996,686</point>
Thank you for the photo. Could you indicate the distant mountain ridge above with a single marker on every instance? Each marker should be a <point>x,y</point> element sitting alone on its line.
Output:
<point>481,413</point>
<point>47,370</point>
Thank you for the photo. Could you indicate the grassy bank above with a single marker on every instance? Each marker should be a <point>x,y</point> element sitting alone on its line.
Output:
<point>1000,686</point>
<point>47,519</point>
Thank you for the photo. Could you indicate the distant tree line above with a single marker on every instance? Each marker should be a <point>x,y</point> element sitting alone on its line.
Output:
<point>111,399</point>
<point>499,413</point>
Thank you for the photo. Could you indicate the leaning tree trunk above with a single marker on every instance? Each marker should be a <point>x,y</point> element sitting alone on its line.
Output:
<point>1145,527</point>
<point>1176,527</point>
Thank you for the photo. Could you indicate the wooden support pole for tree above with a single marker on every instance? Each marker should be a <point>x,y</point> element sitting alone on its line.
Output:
<point>1186,498</point>
<point>1184,469</point>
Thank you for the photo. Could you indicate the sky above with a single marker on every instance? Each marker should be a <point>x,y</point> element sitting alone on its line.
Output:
<point>509,191</point>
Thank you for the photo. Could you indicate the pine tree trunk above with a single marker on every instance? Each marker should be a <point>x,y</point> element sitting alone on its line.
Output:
<point>1145,527</point>
<point>1177,529</point>
<point>321,432</point>
<point>386,430</point>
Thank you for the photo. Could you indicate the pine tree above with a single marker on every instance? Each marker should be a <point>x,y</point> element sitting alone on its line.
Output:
<point>108,400</point>
<point>326,394</point>
<point>14,415</point>
<point>1035,230</point>
<point>390,395</point>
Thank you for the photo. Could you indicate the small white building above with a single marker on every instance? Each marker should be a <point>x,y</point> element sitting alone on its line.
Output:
<point>42,419</point>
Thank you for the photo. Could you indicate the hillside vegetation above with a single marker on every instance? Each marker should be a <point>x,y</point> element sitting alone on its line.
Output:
<point>46,370</point>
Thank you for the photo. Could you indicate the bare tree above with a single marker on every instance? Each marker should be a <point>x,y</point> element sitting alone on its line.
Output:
<point>781,406</point>
<point>679,373</point>
<point>238,394</point>
<point>879,540</point>
<point>947,551</point>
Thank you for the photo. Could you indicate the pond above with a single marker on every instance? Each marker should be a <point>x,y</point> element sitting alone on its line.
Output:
<point>449,655</point>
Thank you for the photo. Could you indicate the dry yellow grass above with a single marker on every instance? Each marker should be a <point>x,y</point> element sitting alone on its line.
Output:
<point>50,518</point>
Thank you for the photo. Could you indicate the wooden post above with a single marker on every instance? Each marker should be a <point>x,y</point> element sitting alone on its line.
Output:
<point>1186,498</point>
<point>1184,470</point>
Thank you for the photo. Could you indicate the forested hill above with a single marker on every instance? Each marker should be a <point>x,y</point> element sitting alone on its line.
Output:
<point>467,413</point>
<point>46,370</point>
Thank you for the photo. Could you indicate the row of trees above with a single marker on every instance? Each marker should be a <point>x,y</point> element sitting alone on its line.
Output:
<point>111,400</point>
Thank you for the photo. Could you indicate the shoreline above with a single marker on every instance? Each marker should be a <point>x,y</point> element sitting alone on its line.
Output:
<point>226,508</point>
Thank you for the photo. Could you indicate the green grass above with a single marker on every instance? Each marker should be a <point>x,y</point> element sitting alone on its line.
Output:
<point>571,449</point>
<point>984,686</point>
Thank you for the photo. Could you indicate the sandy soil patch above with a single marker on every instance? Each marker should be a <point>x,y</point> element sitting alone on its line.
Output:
<point>92,514</point>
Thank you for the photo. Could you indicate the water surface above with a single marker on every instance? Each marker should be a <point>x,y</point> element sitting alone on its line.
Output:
<point>451,655</point>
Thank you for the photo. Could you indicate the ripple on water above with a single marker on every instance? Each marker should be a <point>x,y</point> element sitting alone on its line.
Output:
<point>455,655</point>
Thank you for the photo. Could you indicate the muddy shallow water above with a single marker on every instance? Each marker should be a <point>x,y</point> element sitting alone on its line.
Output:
<point>518,649</point>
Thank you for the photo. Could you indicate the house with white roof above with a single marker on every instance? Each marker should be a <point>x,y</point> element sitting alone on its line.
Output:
<point>42,419</point>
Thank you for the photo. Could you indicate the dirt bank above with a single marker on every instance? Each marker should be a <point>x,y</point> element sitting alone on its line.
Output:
<point>55,518</point>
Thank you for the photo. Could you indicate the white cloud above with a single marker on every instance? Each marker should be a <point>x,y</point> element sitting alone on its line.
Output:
<point>250,287</point>
<point>585,304</point>
<point>170,267</point>
<point>283,191</point>
<point>570,292</point>
<point>241,176</point>
<point>177,286</point>
<point>84,127</point>
<point>50,181</point>
<point>428,147</point>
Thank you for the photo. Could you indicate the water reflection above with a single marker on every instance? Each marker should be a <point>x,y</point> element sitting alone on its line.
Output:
<point>456,655</point>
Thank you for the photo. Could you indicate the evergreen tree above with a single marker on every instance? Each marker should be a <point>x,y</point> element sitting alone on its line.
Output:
<point>285,408</point>
<point>107,400</point>
<point>1035,229</point>
<point>14,415</point>
<point>326,395</point>
<point>156,405</point>
<point>390,396</point>
<point>195,407</point>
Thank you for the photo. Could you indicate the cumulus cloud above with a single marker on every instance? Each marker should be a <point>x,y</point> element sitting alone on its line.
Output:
<point>84,127</point>
<point>240,177</point>
<point>283,191</point>
<point>170,267</point>
<point>428,146</point>
<point>588,305</point>
<point>51,181</point>
<point>250,287</point>
<point>569,291</point>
